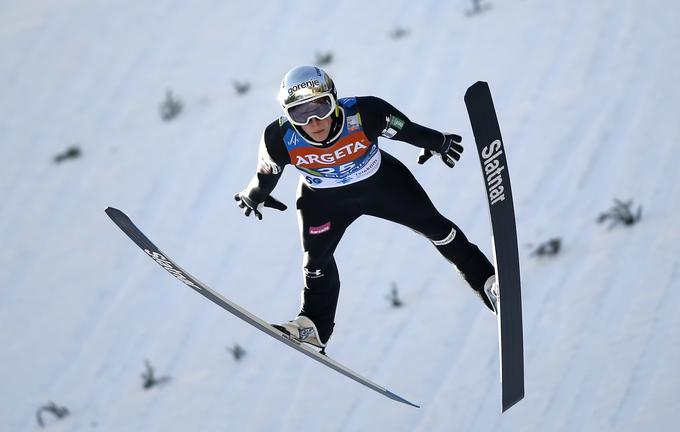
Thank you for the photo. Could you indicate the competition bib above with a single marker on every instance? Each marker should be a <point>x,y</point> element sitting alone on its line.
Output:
<point>352,158</point>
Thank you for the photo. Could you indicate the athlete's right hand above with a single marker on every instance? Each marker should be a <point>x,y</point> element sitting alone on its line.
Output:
<point>250,206</point>
<point>449,152</point>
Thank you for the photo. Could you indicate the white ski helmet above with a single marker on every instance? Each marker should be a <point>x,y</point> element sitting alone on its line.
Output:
<point>307,92</point>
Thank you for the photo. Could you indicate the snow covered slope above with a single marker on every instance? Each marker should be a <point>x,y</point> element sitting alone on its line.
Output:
<point>587,96</point>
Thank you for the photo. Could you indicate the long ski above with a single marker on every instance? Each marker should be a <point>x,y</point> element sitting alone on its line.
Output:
<point>506,256</point>
<point>129,228</point>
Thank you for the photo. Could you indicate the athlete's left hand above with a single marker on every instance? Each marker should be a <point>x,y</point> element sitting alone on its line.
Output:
<point>449,152</point>
<point>249,206</point>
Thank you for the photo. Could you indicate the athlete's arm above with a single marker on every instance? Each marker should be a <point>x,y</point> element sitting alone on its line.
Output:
<point>272,158</point>
<point>379,118</point>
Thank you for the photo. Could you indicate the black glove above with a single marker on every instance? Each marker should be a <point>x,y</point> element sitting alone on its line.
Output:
<point>449,152</point>
<point>250,206</point>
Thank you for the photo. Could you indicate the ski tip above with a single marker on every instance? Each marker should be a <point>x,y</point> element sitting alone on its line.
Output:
<point>398,398</point>
<point>475,86</point>
<point>118,217</point>
<point>112,211</point>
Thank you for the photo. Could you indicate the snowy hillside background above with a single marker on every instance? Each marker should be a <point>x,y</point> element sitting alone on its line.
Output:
<point>587,96</point>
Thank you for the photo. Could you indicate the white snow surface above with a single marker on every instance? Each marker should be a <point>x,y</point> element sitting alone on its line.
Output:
<point>587,95</point>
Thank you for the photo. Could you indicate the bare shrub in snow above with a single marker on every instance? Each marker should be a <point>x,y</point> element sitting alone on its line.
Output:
<point>550,247</point>
<point>393,297</point>
<point>477,8</point>
<point>171,107</point>
<point>324,59</point>
<point>237,351</point>
<point>241,87</point>
<point>399,32</point>
<point>621,213</point>
<point>58,411</point>
<point>72,152</point>
<point>149,377</point>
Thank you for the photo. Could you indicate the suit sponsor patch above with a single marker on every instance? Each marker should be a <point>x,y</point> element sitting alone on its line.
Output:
<point>320,229</point>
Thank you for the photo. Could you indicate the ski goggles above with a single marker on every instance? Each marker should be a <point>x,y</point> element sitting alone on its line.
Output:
<point>302,113</point>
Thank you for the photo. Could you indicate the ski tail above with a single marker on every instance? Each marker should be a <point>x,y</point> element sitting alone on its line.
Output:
<point>398,398</point>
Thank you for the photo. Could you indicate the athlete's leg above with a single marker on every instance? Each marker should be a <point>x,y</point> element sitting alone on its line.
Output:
<point>322,219</point>
<point>400,198</point>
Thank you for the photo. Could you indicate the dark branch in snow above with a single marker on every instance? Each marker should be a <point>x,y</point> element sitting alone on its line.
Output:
<point>58,411</point>
<point>621,213</point>
<point>171,107</point>
<point>149,377</point>
<point>393,297</point>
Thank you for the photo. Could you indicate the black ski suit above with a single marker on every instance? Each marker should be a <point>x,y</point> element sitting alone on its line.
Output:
<point>389,192</point>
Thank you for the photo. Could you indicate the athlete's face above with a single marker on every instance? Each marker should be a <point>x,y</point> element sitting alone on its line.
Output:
<point>317,129</point>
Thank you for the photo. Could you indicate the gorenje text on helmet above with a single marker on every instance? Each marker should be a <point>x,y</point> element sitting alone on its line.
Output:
<point>310,83</point>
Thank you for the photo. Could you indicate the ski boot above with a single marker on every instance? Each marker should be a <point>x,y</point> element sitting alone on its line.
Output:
<point>491,292</point>
<point>302,329</point>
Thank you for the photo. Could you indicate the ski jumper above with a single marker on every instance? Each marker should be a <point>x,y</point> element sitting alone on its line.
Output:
<point>347,177</point>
